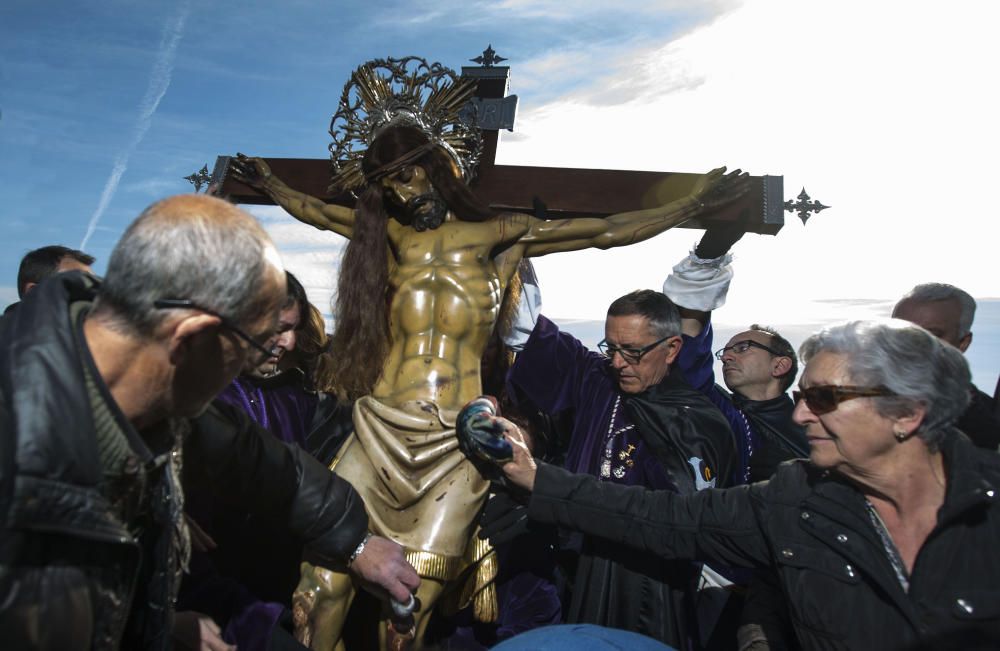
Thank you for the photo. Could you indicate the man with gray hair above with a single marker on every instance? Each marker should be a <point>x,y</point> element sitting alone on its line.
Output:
<point>947,312</point>
<point>636,422</point>
<point>105,389</point>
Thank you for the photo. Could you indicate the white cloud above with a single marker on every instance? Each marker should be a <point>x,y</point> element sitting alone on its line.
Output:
<point>154,188</point>
<point>309,253</point>
<point>882,110</point>
<point>567,9</point>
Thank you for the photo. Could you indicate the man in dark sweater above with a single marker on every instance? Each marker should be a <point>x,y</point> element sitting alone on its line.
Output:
<point>105,392</point>
<point>947,312</point>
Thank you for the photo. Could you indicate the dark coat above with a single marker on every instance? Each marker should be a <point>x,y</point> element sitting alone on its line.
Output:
<point>981,421</point>
<point>682,442</point>
<point>88,564</point>
<point>812,529</point>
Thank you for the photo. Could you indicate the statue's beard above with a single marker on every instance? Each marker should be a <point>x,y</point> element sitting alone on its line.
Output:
<point>426,211</point>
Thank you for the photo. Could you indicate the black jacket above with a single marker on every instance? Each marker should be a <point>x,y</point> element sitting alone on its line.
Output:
<point>779,438</point>
<point>684,433</point>
<point>74,573</point>
<point>812,529</point>
<point>980,420</point>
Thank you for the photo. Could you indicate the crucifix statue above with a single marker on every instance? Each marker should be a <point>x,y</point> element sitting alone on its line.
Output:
<point>421,285</point>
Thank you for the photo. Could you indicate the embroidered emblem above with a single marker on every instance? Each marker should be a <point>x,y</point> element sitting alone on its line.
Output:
<point>703,476</point>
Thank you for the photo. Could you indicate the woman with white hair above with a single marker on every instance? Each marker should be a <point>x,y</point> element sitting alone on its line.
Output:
<point>885,538</point>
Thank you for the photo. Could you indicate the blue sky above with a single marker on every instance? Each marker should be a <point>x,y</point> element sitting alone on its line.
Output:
<point>154,90</point>
<point>884,110</point>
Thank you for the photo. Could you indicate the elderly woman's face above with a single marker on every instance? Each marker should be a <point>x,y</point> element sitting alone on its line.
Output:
<point>850,436</point>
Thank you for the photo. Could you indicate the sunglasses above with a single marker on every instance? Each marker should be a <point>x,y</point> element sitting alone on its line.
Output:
<point>258,355</point>
<point>630,355</point>
<point>824,398</point>
<point>741,347</point>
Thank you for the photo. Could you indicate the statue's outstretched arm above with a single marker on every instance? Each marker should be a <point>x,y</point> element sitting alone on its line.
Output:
<point>304,207</point>
<point>712,191</point>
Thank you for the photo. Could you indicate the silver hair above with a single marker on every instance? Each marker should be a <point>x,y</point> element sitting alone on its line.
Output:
<point>907,360</point>
<point>933,292</point>
<point>661,313</point>
<point>191,247</point>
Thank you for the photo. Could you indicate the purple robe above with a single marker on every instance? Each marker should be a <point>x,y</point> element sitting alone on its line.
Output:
<point>557,373</point>
<point>613,586</point>
<point>281,407</point>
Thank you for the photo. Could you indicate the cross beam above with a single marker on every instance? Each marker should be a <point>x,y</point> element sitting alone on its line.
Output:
<point>566,192</point>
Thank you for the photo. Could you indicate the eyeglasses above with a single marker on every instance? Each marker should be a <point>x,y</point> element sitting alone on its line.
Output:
<point>741,347</point>
<point>824,398</point>
<point>260,353</point>
<point>630,355</point>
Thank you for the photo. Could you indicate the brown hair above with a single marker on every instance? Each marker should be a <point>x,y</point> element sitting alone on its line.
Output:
<point>784,349</point>
<point>394,143</point>
<point>310,344</point>
<point>361,337</point>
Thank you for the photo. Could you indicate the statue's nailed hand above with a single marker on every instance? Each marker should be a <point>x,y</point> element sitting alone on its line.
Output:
<point>250,170</point>
<point>716,189</point>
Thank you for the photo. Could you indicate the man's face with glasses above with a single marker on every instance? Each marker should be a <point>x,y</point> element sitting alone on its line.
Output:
<point>638,357</point>
<point>285,339</point>
<point>748,363</point>
<point>208,367</point>
<point>260,347</point>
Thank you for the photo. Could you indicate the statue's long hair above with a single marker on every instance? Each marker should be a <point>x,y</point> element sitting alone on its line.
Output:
<point>361,337</point>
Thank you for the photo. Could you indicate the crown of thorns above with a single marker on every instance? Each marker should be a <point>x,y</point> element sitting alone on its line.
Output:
<point>391,92</point>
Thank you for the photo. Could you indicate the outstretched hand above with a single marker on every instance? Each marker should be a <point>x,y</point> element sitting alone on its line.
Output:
<point>250,170</point>
<point>520,471</point>
<point>716,189</point>
<point>382,569</point>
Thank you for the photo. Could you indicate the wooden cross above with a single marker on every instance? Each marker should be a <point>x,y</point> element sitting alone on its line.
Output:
<point>565,192</point>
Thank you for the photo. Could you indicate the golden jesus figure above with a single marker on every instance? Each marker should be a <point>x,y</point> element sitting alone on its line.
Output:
<point>421,283</point>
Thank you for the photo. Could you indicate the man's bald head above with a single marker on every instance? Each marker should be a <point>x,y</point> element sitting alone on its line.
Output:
<point>944,310</point>
<point>192,247</point>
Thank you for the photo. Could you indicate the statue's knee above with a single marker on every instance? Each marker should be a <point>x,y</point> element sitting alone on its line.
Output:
<point>319,604</point>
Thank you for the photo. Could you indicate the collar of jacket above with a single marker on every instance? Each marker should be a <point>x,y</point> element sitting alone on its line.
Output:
<point>774,415</point>
<point>782,405</point>
<point>294,377</point>
<point>972,483</point>
<point>55,467</point>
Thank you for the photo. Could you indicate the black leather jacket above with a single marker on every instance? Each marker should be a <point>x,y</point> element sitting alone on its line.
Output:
<point>70,567</point>
<point>813,531</point>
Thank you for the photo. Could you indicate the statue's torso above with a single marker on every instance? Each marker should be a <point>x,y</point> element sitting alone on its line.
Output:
<point>446,294</point>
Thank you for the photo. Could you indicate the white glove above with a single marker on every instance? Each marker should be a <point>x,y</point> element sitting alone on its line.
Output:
<point>699,284</point>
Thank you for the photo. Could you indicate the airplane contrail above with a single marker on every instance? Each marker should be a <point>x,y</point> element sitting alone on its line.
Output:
<point>163,70</point>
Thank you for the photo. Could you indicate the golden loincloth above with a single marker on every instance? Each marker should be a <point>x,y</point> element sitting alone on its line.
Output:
<point>420,490</point>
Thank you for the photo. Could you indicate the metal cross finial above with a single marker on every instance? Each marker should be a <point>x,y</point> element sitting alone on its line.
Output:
<point>803,206</point>
<point>199,178</point>
<point>488,58</point>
